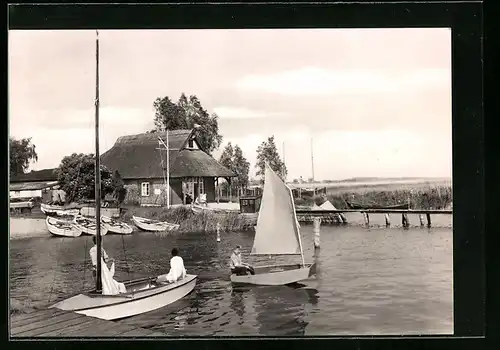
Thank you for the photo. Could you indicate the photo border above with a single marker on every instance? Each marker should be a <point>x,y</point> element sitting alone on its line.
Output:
<point>465,20</point>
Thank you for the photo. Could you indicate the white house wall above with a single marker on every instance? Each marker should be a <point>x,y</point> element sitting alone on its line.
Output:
<point>25,194</point>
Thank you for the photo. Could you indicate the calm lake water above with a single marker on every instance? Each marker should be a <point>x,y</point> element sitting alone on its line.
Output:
<point>369,280</point>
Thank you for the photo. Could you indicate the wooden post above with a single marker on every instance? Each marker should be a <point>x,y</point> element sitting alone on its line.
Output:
<point>405,221</point>
<point>421,217</point>
<point>217,188</point>
<point>230,193</point>
<point>218,232</point>
<point>316,231</point>
<point>183,184</point>
<point>428,220</point>
<point>343,218</point>
<point>387,220</point>
<point>367,218</point>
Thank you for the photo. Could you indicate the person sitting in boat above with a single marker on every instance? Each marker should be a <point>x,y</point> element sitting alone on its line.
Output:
<point>177,269</point>
<point>93,256</point>
<point>238,267</point>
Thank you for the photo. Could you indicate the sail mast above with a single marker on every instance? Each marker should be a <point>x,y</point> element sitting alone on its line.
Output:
<point>298,227</point>
<point>168,175</point>
<point>98,283</point>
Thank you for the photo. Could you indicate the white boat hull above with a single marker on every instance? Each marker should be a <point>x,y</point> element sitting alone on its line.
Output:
<point>113,307</point>
<point>113,226</point>
<point>89,227</point>
<point>277,275</point>
<point>58,210</point>
<point>62,228</point>
<point>155,226</point>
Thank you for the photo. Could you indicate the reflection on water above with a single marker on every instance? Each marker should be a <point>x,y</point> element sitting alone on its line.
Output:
<point>369,281</point>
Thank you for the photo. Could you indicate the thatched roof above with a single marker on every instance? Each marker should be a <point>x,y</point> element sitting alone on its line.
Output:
<point>43,175</point>
<point>31,186</point>
<point>138,157</point>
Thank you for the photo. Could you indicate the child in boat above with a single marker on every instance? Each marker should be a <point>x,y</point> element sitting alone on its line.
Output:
<point>93,256</point>
<point>177,269</point>
<point>238,267</point>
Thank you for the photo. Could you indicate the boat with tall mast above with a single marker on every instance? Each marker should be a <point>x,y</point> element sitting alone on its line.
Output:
<point>277,233</point>
<point>140,295</point>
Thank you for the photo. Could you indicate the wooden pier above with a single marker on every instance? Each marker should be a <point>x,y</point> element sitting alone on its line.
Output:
<point>54,323</point>
<point>334,216</point>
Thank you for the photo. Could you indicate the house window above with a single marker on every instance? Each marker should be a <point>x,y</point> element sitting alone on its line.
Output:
<point>191,143</point>
<point>145,189</point>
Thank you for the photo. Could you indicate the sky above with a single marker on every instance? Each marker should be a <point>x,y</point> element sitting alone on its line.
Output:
<point>366,102</point>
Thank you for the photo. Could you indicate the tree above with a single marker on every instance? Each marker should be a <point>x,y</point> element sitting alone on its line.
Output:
<point>76,178</point>
<point>267,152</point>
<point>185,114</point>
<point>119,190</point>
<point>233,159</point>
<point>22,152</point>
<point>241,168</point>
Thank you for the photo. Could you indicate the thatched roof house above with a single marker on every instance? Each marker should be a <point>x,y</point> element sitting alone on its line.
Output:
<point>138,159</point>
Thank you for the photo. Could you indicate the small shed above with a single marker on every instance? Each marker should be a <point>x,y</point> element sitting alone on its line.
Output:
<point>250,204</point>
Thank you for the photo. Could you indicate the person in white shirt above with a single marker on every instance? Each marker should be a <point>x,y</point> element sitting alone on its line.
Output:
<point>236,264</point>
<point>177,269</point>
<point>93,256</point>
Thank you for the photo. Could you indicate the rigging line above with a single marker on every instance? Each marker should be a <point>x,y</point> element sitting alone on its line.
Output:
<point>57,265</point>
<point>84,264</point>
<point>125,258</point>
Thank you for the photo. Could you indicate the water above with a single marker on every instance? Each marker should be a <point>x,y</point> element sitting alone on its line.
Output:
<point>369,280</point>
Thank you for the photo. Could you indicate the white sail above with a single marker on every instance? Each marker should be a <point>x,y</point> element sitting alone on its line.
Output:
<point>327,206</point>
<point>316,207</point>
<point>277,231</point>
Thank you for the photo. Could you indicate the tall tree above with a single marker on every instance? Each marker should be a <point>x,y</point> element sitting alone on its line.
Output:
<point>22,152</point>
<point>268,152</point>
<point>241,167</point>
<point>226,158</point>
<point>185,114</point>
<point>233,159</point>
<point>75,175</point>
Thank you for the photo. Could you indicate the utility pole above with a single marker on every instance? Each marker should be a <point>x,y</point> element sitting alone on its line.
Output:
<point>312,164</point>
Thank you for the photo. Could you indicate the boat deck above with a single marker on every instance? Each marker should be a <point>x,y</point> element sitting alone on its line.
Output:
<point>54,323</point>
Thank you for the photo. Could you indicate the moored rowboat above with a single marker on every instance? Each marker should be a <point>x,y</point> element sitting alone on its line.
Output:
<point>153,225</point>
<point>114,226</point>
<point>88,225</point>
<point>58,210</point>
<point>142,296</point>
<point>63,228</point>
<point>353,205</point>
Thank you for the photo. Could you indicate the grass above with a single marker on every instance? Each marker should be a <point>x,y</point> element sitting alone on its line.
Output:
<point>190,221</point>
<point>421,195</point>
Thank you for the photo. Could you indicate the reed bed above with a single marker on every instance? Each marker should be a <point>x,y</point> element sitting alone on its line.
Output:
<point>420,196</point>
<point>189,221</point>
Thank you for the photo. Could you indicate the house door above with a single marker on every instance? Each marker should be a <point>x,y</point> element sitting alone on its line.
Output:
<point>196,191</point>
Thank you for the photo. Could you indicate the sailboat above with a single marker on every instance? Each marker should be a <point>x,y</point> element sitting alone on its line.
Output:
<point>277,233</point>
<point>112,300</point>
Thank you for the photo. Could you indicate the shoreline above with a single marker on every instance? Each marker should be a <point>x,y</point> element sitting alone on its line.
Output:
<point>420,197</point>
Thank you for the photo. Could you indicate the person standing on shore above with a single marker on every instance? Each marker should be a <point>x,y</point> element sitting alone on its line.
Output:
<point>177,269</point>
<point>238,267</point>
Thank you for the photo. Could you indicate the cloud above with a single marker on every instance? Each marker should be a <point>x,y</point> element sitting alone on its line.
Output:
<point>340,154</point>
<point>244,113</point>
<point>319,81</point>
